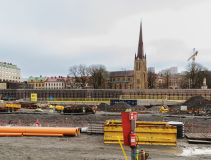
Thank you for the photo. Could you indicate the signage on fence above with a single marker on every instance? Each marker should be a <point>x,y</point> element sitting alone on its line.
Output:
<point>33,97</point>
<point>184,108</point>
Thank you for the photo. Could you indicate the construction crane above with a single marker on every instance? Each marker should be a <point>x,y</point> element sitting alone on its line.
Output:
<point>194,53</point>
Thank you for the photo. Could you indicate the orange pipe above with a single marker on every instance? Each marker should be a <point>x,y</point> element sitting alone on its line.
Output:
<point>43,134</point>
<point>78,131</point>
<point>45,130</point>
<point>10,134</point>
<point>12,129</point>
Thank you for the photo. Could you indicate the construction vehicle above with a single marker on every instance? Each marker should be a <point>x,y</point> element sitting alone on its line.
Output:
<point>163,110</point>
<point>9,107</point>
<point>58,108</point>
<point>82,109</point>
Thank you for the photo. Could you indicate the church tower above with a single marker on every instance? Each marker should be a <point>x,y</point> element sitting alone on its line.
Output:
<point>140,66</point>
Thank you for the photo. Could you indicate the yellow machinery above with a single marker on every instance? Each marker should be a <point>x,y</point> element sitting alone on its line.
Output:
<point>163,110</point>
<point>58,108</point>
<point>150,133</point>
<point>9,107</point>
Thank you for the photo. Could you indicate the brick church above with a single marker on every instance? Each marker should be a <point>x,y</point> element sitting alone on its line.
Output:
<point>132,79</point>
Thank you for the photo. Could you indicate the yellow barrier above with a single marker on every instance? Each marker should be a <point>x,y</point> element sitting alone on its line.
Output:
<point>13,105</point>
<point>150,133</point>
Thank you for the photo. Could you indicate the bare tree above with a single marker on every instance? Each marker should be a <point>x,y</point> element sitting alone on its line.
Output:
<point>166,78</point>
<point>80,73</point>
<point>151,77</point>
<point>195,75</point>
<point>98,76</point>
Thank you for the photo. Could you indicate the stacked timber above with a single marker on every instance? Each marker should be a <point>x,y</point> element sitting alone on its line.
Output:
<point>198,138</point>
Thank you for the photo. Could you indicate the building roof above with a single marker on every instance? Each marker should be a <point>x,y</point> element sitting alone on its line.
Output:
<point>33,78</point>
<point>122,73</point>
<point>56,79</point>
<point>8,65</point>
<point>140,54</point>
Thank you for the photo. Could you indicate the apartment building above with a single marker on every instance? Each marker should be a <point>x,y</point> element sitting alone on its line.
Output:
<point>9,72</point>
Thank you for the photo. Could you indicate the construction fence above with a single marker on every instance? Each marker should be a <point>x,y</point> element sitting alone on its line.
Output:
<point>188,128</point>
<point>195,128</point>
<point>122,97</point>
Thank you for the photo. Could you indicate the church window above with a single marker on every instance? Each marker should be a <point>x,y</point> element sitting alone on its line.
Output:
<point>138,81</point>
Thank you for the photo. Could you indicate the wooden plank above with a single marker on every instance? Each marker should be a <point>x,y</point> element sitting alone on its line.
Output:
<point>198,136</point>
<point>198,141</point>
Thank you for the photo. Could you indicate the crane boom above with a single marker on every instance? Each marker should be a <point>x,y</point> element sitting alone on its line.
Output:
<point>194,54</point>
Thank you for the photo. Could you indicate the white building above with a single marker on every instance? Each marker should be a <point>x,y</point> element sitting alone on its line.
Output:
<point>9,72</point>
<point>173,71</point>
<point>55,83</point>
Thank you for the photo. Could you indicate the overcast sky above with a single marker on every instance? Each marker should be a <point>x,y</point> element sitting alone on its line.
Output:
<point>46,37</point>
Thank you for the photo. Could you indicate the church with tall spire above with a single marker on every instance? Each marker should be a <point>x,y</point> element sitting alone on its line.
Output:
<point>132,79</point>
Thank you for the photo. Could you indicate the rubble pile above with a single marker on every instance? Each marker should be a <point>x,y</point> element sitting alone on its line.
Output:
<point>196,103</point>
<point>139,107</point>
<point>120,105</point>
<point>104,107</point>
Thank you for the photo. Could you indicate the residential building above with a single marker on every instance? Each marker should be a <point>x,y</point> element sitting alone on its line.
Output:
<point>55,82</point>
<point>37,82</point>
<point>9,72</point>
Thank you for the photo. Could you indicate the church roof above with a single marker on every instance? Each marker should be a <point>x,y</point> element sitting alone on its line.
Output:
<point>140,53</point>
<point>122,73</point>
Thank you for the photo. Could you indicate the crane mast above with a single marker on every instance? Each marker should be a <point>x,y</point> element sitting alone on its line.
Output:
<point>194,53</point>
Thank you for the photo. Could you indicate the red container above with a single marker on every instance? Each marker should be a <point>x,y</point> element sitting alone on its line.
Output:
<point>126,126</point>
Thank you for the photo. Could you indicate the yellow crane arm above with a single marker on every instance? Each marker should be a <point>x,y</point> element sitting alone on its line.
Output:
<point>193,55</point>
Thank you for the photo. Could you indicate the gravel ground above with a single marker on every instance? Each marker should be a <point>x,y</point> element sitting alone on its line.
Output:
<point>90,147</point>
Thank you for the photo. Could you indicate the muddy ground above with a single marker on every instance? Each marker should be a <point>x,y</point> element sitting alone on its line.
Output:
<point>91,147</point>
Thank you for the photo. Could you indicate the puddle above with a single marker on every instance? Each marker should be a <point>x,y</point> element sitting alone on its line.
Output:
<point>195,151</point>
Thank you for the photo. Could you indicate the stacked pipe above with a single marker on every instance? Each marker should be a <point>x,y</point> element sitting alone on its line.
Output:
<point>38,131</point>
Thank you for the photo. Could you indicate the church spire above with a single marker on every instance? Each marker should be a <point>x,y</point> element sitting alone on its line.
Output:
<point>140,54</point>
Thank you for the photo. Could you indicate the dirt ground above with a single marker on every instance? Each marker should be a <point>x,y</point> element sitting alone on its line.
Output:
<point>91,147</point>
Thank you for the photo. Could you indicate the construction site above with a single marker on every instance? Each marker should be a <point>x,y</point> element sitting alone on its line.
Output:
<point>94,129</point>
